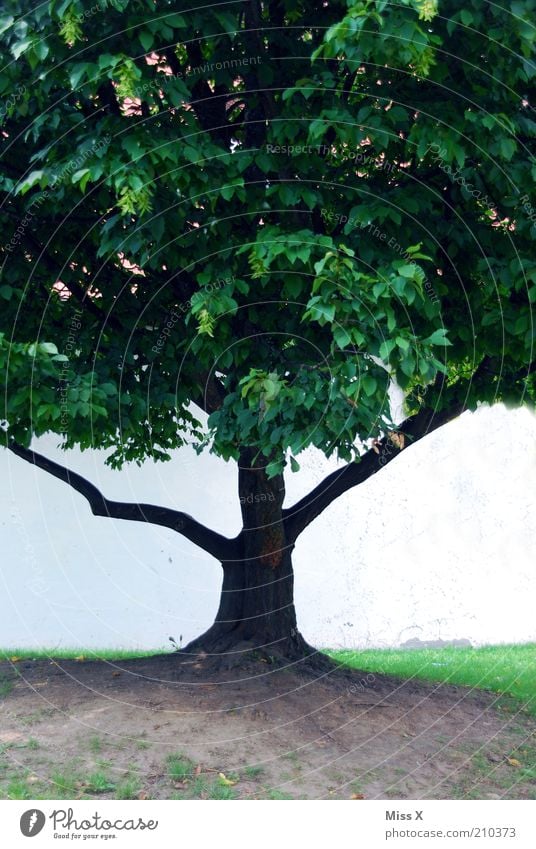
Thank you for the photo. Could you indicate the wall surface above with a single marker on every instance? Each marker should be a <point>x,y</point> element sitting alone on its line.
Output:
<point>439,545</point>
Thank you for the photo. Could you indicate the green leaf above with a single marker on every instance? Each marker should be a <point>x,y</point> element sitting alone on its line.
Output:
<point>379,288</point>
<point>6,22</point>
<point>507,148</point>
<point>370,384</point>
<point>146,38</point>
<point>438,337</point>
<point>108,60</point>
<point>30,181</point>
<point>176,21</point>
<point>77,72</point>
<point>21,47</point>
<point>326,312</point>
<point>81,176</point>
<point>407,271</point>
<point>274,468</point>
<point>408,365</point>
<point>386,348</point>
<point>109,388</point>
<point>48,348</point>
<point>341,336</point>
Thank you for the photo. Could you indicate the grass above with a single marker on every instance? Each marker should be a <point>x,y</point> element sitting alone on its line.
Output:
<point>110,655</point>
<point>98,782</point>
<point>202,788</point>
<point>6,686</point>
<point>199,788</point>
<point>70,785</point>
<point>64,785</point>
<point>18,789</point>
<point>277,795</point>
<point>219,790</point>
<point>505,669</point>
<point>128,789</point>
<point>95,744</point>
<point>253,772</point>
<point>179,767</point>
<point>495,770</point>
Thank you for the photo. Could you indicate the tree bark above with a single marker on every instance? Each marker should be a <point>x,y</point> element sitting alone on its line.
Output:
<point>257,601</point>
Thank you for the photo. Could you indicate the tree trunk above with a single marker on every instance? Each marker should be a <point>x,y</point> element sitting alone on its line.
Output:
<point>257,600</point>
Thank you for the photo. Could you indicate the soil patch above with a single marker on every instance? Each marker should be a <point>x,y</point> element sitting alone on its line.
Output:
<point>99,729</point>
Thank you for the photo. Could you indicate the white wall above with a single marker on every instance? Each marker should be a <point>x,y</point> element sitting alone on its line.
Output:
<point>440,544</point>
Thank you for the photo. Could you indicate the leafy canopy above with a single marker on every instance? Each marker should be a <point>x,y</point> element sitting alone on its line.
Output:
<point>266,209</point>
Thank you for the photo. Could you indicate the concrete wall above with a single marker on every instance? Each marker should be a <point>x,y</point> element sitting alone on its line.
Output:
<point>439,545</point>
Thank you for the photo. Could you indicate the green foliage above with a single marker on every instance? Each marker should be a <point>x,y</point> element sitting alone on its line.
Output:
<point>368,203</point>
<point>506,669</point>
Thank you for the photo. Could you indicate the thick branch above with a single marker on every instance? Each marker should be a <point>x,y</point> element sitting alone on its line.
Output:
<point>301,514</point>
<point>220,547</point>
<point>213,393</point>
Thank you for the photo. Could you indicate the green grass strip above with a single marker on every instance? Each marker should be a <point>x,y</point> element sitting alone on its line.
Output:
<point>504,669</point>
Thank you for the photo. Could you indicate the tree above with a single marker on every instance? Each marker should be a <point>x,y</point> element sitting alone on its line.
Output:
<point>264,212</point>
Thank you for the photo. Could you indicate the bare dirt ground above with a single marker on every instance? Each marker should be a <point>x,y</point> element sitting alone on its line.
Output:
<point>94,728</point>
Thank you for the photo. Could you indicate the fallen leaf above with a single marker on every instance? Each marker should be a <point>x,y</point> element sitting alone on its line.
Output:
<point>143,795</point>
<point>15,659</point>
<point>357,796</point>
<point>513,761</point>
<point>80,658</point>
<point>116,674</point>
<point>224,780</point>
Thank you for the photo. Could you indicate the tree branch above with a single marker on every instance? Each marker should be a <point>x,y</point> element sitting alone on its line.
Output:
<point>301,514</point>
<point>213,394</point>
<point>220,547</point>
